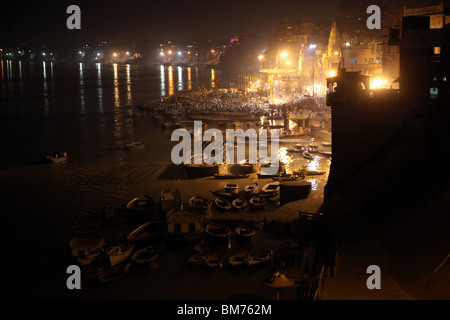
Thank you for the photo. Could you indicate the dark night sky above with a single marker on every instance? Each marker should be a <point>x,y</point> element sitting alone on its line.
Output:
<point>45,21</point>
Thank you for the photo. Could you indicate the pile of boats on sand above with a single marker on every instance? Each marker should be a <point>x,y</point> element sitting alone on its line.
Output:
<point>205,252</point>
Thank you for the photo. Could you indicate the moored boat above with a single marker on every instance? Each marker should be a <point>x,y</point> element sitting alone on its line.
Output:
<point>118,254</point>
<point>271,188</point>
<point>307,155</point>
<point>114,273</point>
<point>232,187</point>
<point>244,231</point>
<point>251,188</point>
<point>143,202</point>
<point>222,204</point>
<point>134,145</point>
<point>86,250</point>
<point>238,259</point>
<point>200,204</point>
<point>146,231</point>
<point>257,202</point>
<point>239,203</point>
<point>194,171</point>
<point>198,258</point>
<point>246,167</point>
<point>217,230</point>
<point>57,157</point>
<point>145,255</point>
<point>214,261</point>
<point>260,258</point>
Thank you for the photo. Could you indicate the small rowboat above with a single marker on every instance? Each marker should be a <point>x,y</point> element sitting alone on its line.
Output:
<point>214,260</point>
<point>251,188</point>
<point>119,254</point>
<point>141,203</point>
<point>222,204</point>
<point>145,232</point>
<point>239,203</point>
<point>57,157</point>
<point>307,155</point>
<point>134,145</point>
<point>260,258</point>
<point>232,187</point>
<point>145,255</point>
<point>217,230</point>
<point>238,259</point>
<point>231,176</point>
<point>271,188</point>
<point>114,273</point>
<point>245,231</point>
<point>202,246</point>
<point>200,204</point>
<point>198,258</point>
<point>257,203</point>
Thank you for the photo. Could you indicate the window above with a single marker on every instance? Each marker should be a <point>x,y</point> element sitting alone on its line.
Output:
<point>437,50</point>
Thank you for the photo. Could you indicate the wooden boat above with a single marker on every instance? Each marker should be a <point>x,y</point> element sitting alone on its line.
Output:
<point>214,260</point>
<point>200,204</point>
<point>198,258</point>
<point>170,200</point>
<point>114,273</point>
<point>118,254</point>
<point>244,231</point>
<point>145,255</point>
<point>287,177</point>
<point>239,203</point>
<point>326,144</point>
<point>246,167</point>
<point>217,230</point>
<point>145,232</point>
<point>141,203</point>
<point>134,145</point>
<point>57,157</point>
<point>231,176</point>
<point>203,246</point>
<point>222,204</point>
<point>325,153</point>
<point>260,258</point>
<point>257,202</point>
<point>194,171</point>
<point>307,155</point>
<point>238,259</point>
<point>270,188</point>
<point>251,188</point>
<point>86,250</point>
<point>232,187</point>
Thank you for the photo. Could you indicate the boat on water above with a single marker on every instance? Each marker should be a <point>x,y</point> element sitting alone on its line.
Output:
<point>145,232</point>
<point>257,203</point>
<point>143,202</point>
<point>200,204</point>
<point>57,157</point>
<point>214,260</point>
<point>194,171</point>
<point>231,187</point>
<point>307,155</point>
<point>239,203</point>
<point>217,230</point>
<point>287,177</point>
<point>245,167</point>
<point>222,204</point>
<point>238,259</point>
<point>118,254</point>
<point>114,273</point>
<point>231,176</point>
<point>86,250</point>
<point>325,153</point>
<point>244,231</point>
<point>271,188</point>
<point>260,258</point>
<point>134,145</point>
<point>251,188</point>
<point>145,255</point>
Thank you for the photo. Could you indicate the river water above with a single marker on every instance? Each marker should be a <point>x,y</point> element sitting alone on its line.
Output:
<point>87,110</point>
